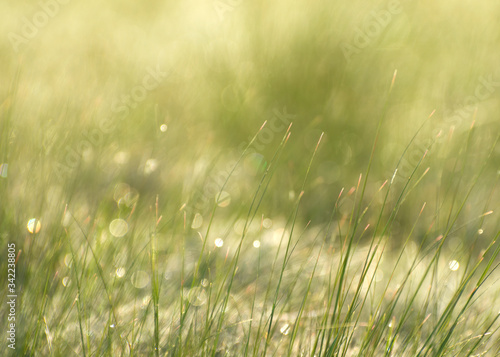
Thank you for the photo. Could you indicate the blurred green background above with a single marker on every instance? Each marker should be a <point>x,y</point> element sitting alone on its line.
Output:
<point>225,68</point>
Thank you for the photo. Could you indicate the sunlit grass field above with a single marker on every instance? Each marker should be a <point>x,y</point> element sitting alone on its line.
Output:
<point>237,178</point>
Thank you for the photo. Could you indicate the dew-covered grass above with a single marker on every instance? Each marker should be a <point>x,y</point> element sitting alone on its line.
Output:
<point>250,179</point>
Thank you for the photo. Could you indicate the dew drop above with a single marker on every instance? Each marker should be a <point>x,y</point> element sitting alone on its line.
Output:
<point>219,242</point>
<point>150,166</point>
<point>68,260</point>
<point>256,244</point>
<point>480,231</point>
<point>121,157</point>
<point>267,223</point>
<point>118,227</point>
<point>163,128</point>
<point>454,265</point>
<point>224,199</point>
<point>66,281</point>
<point>34,226</point>
<point>197,221</point>
<point>285,329</point>
<point>145,300</point>
<point>120,272</point>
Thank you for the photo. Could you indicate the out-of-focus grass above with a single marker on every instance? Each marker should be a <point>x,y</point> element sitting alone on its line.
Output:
<point>124,117</point>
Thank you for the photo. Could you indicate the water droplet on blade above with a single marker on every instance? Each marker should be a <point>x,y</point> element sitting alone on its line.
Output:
<point>197,221</point>
<point>267,223</point>
<point>68,260</point>
<point>120,272</point>
<point>34,226</point>
<point>223,200</point>
<point>285,329</point>
<point>454,265</point>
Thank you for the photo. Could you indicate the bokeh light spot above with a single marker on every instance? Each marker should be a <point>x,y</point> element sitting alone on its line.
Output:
<point>285,329</point>
<point>454,265</point>
<point>68,260</point>
<point>120,272</point>
<point>118,227</point>
<point>34,226</point>
<point>197,221</point>
<point>150,166</point>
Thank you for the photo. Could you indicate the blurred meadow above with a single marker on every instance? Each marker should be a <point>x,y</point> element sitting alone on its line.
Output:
<point>250,178</point>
